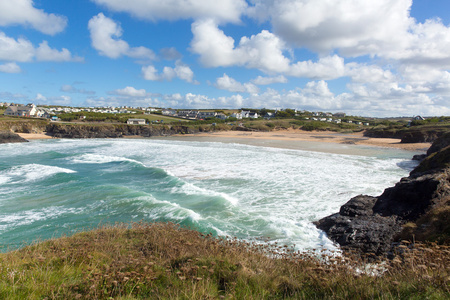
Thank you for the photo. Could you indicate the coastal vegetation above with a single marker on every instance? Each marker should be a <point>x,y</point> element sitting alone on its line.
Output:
<point>164,261</point>
<point>407,129</point>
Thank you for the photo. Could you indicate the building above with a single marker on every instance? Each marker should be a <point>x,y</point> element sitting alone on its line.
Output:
<point>207,114</point>
<point>245,114</point>
<point>21,110</point>
<point>237,116</point>
<point>221,116</point>
<point>136,121</point>
<point>169,112</point>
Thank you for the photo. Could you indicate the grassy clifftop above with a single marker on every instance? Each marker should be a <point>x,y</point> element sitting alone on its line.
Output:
<point>163,261</point>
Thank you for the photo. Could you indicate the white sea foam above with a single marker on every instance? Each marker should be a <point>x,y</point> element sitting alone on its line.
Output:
<point>30,216</point>
<point>236,190</point>
<point>101,159</point>
<point>191,189</point>
<point>170,210</point>
<point>30,172</point>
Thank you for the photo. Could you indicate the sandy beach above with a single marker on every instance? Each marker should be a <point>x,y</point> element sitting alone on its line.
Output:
<point>34,136</point>
<point>294,136</point>
<point>319,136</point>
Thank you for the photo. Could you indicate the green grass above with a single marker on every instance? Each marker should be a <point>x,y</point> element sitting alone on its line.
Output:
<point>164,261</point>
<point>157,117</point>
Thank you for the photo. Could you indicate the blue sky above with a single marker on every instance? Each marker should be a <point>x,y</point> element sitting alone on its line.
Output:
<point>372,58</point>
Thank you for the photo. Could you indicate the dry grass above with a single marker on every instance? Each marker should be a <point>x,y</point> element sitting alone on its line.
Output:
<point>164,261</point>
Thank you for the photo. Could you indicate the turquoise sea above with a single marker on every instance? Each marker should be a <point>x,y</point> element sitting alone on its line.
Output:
<point>50,188</point>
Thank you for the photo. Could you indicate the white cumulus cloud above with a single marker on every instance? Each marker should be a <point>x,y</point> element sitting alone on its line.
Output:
<point>180,71</point>
<point>22,12</point>
<point>105,38</point>
<point>260,80</point>
<point>263,51</point>
<point>354,27</point>
<point>221,11</point>
<point>130,91</point>
<point>10,68</point>
<point>329,67</point>
<point>22,50</point>
<point>230,84</point>
<point>45,53</point>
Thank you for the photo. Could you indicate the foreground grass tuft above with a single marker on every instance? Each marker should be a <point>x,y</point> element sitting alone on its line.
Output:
<point>164,261</point>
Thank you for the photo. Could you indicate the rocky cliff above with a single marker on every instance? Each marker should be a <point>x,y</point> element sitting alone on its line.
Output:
<point>425,134</point>
<point>372,224</point>
<point>114,130</point>
<point>10,137</point>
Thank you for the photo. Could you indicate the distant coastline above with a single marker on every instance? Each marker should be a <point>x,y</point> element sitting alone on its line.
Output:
<point>294,136</point>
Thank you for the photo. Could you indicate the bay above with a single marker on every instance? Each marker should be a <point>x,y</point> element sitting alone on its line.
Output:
<point>258,190</point>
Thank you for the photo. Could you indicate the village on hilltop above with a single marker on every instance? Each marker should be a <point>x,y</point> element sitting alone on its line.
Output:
<point>52,112</point>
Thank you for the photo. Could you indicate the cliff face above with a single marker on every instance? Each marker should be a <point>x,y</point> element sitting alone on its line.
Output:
<point>24,126</point>
<point>113,130</point>
<point>409,135</point>
<point>372,224</point>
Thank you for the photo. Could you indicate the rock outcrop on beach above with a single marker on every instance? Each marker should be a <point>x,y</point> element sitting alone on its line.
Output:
<point>372,224</point>
<point>82,131</point>
<point>10,137</point>
<point>408,135</point>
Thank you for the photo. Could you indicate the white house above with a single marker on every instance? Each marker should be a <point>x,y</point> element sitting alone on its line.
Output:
<point>221,116</point>
<point>21,111</point>
<point>245,114</point>
<point>237,116</point>
<point>136,121</point>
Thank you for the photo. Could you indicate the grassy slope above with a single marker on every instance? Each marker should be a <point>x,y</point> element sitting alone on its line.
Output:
<point>153,117</point>
<point>162,261</point>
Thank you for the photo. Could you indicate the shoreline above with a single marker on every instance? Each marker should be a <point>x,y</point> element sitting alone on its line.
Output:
<point>34,136</point>
<point>316,136</point>
<point>290,135</point>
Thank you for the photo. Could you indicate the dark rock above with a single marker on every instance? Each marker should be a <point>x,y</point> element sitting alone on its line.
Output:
<point>408,135</point>
<point>370,224</point>
<point>418,136</point>
<point>408,199</point>
<point>361,205</point>
<point>440,143</point>
<point>368,234</point>
<point>435,162</point>
<point>82,131</point>
<point>419,157</point>
<point>10,137</point>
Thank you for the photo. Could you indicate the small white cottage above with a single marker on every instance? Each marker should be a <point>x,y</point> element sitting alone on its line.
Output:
<point>136,121</point>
